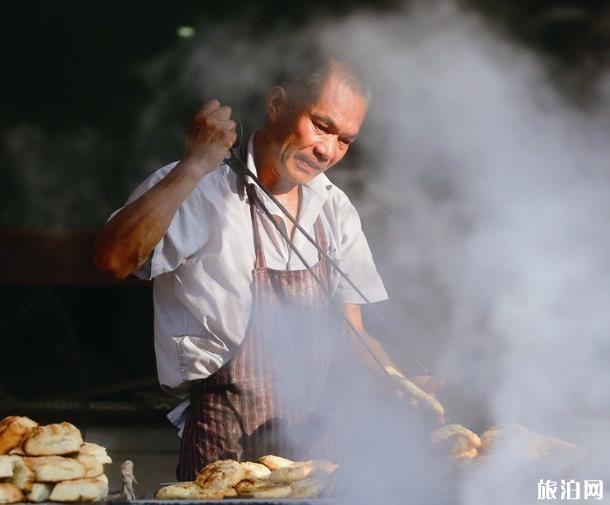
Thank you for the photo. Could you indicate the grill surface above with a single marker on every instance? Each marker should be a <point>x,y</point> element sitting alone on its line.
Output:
<point>248,501</point>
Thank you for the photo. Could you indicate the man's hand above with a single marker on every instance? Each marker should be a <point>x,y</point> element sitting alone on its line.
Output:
<point>418,395</point>
<point>458,442</point>
<point>210,134</point>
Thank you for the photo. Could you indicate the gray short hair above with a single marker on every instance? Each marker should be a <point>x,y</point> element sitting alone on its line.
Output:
<point>304,80</point>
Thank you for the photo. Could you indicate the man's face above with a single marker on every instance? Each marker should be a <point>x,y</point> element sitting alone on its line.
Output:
<point>311,138</point>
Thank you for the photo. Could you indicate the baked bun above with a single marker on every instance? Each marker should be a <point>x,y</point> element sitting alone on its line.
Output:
<point>93,468</point>
<point>188,491</point>
<point>255,470</point>
<point>221,474</point>
<point>80,490</point>
<point>40,492</point>
<point>55,468</point>
<point>97,451</point>
<point>296,471</point>
<point>274,462</point>
<point>10,493</point>
<point>53,439</point>
<point>13,431</point>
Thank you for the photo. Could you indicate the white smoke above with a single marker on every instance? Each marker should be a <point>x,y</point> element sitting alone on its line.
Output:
<point>485,194</point>
<point>491,191</point>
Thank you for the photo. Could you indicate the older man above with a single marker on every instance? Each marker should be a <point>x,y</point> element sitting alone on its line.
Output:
<point>224,272</point>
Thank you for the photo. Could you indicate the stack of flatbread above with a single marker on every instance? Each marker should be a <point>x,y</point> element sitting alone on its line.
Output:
<point>271,477</point>
<point>49,463</point>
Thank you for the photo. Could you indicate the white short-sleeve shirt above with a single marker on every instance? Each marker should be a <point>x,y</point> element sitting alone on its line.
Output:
<point>202,268</point>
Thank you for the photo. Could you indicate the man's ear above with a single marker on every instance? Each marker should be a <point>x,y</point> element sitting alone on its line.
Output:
<point>277,103</point>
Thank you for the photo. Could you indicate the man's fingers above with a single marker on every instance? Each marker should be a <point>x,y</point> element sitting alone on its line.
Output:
<point>222,113</point>
<point>227,125</point>
<point>207,108</point>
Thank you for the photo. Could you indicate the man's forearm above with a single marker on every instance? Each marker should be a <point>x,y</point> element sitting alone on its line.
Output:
<point>128,238</point>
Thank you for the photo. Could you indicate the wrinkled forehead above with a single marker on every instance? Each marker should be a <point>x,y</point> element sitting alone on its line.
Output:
<point>339,103</point>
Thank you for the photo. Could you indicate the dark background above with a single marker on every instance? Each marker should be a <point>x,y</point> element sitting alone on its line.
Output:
<point>76,79</point>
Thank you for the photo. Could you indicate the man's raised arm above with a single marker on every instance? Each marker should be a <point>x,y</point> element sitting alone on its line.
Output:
<point>128,238</point>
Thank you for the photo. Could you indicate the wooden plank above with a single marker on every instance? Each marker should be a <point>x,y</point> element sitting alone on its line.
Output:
<point>52,256</point>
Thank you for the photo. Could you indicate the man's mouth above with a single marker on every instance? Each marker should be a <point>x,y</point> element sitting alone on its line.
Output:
<point>308,165</point>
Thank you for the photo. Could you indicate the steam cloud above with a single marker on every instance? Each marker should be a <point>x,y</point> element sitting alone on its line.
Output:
<point>484,196</point>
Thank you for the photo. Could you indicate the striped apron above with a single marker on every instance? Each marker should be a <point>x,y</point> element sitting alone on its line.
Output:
<point>265,399</point>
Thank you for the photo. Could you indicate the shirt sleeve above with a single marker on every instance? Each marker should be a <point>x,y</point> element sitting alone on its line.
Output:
<point>356,260</point>
<point>187,233</point>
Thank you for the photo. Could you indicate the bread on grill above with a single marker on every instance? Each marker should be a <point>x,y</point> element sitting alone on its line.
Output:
<point>322,468</point>
<point>528,444</point>
<point>40,492</point>
<point>13,431</point>
<point>274,462</point>
<point>281,491</point>
<point>220,475</point>
<point>97,451</point>
<point>298,470</point>
<point>247,486</point>
<point>9,493</point>
<point>307,488</point>
<point>53,439</point>
<point>188,491</point>
<point>55,468</point>
<point>460,440</point>
<point>80,490</point>
<point>255,470</point>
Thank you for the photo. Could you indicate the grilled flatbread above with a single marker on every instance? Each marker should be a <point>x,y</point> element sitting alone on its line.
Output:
<point>53,439</point>
<point>255,470</point>
<point>55,468</point>
<point>527,443</point>
<point>13,431</point>
<point>10,493</point>
<point>469,454</point>
<point>80,490</point>
<point>247,486</point>
<point>40,492</point>
<point>188,491</point>
<point>308,488</point>
<point>272,492</point>
<point>296,471</point>
<point>220,475</point>
<point>97,451</point>
<point>274,462</point>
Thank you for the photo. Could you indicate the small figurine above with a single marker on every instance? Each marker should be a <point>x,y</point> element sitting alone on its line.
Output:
<point>128,480</point>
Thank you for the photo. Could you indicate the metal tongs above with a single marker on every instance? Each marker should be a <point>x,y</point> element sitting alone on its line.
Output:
<point>240,168</point>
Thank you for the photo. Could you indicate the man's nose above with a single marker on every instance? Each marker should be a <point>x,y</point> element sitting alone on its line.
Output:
<point>324,150</point>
